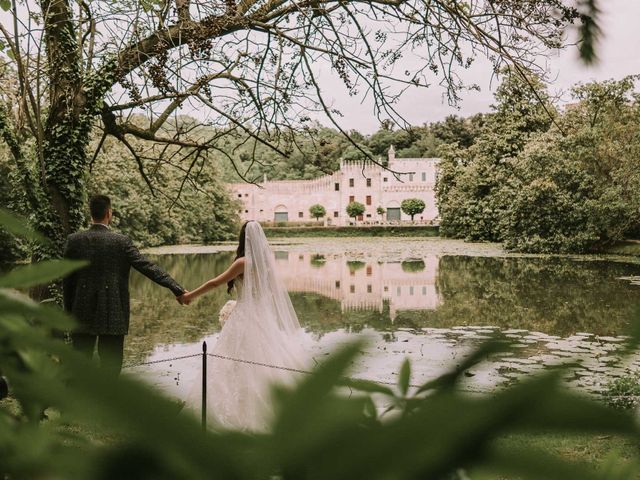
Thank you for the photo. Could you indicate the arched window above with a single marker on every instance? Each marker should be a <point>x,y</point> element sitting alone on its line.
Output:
<point>281,214</point>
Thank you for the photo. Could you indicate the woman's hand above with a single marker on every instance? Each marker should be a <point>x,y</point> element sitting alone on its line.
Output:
<point>185,298</point>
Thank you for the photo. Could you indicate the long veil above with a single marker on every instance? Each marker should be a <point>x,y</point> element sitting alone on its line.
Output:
<point>263,329</point>
<point>263,289</point>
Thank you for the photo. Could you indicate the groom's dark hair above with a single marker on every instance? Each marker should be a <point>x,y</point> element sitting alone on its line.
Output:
<point>99,205</point>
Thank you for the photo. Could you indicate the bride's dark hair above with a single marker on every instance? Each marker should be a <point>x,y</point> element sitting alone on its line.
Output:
<point>239,253</point>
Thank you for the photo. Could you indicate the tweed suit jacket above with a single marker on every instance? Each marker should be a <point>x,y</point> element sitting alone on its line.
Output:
<point>98,295</point>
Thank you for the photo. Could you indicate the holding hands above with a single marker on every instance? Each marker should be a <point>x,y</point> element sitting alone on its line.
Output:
<point>184,299</point>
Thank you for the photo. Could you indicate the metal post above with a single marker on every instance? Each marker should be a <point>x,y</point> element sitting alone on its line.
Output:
<point>204,385</point>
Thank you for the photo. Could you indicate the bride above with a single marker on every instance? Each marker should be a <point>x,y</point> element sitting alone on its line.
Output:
<point>262,327</point>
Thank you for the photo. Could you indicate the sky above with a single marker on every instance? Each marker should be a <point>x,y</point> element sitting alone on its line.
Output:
<point>618,51</point>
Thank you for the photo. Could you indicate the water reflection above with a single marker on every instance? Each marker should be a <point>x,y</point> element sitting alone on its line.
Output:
<point>375,286</point>
<point>433,309</point>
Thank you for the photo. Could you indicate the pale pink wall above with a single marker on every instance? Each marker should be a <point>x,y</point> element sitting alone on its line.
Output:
<point>295,196</point>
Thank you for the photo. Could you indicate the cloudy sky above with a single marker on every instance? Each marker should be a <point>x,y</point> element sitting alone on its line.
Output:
<point>619,52</point>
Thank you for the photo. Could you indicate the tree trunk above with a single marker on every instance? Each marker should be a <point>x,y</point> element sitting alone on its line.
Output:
<point>66,132</point>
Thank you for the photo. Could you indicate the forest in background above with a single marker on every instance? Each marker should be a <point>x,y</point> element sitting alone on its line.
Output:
<point>534,176</point>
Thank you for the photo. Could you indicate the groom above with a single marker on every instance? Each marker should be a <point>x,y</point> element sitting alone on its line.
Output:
<point>98,295</point>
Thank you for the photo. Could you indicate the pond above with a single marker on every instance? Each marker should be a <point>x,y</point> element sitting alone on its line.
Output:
<point>431,300</point>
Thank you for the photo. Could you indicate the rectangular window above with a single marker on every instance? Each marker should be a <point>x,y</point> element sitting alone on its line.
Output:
<point>336,187</point>
<point>369,289</point>
<point>368,182</point>
<point>393,214</point>
<point>411,177</point>
<point>368,215</point>
<point>300,214</point>
<point>239,195</point>
<point>352,199</point>
<point>369,271</point>
<point>352,288</point>
<point>424,176</point>
<point>335,214</point>
<point>337,284</point>
<point>351,182</point>
<point>368,199</point>
<point>385,179</point>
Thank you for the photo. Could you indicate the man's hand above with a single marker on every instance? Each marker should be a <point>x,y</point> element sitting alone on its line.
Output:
<point>184,299</point>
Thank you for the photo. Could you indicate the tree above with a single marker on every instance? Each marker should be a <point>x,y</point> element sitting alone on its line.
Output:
<point>577,191</point>
<point>354,209</point>
<point>412,206</point>
<point>474,187</point>
<point>317,211</point>
<point>247,68</point>
<point>380,211</point>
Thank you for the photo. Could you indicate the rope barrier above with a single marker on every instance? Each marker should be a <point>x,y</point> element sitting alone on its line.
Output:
<point>164,360</point>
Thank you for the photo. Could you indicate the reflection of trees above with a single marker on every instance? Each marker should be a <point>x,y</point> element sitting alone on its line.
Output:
<point>318,260</point>
<point>412,265</point>
<point>551,295</point>
<point>355,265</point>
<point>319,314</point>
<point>157,318</point>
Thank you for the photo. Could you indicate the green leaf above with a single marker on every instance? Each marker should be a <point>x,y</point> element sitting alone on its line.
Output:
<point>18,227</point>
<point>5,5</point>
<point>40,273</point>
<point>404,377</point>
<point>15,303</point>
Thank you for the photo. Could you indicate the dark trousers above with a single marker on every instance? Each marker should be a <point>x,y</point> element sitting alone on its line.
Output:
<point>110,349</point>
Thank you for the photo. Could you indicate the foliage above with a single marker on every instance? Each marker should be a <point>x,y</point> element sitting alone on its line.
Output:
<point>317,211</point>
<point>473,189</point>
<point>623,392</point>
<point>355,265</point>
<point>412,206</point>
<point>318,261</point>
<point>11,248</point>
<point>412,265</point>
<point>354,209</point>
<point>545,182</point>
<point>381,211</point>
<point>579,191</point>
<point>317,416</point>
<point>203,213</point>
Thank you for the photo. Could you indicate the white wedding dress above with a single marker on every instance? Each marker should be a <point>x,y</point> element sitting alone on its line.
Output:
<point>263,327</point>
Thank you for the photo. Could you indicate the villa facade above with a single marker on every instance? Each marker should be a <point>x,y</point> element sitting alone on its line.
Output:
<point>360,181</point>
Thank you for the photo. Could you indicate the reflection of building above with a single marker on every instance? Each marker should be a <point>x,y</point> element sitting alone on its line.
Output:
<point>363,182</point>
<point>362,284</point>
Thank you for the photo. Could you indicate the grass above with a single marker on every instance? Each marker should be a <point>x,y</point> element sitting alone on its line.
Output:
<point>354,231</point>
<point>626,247</point>
<point>597,451</point>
